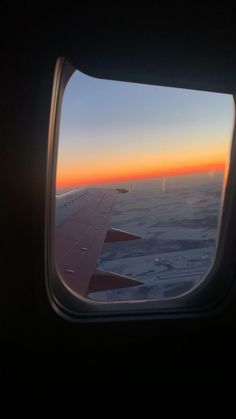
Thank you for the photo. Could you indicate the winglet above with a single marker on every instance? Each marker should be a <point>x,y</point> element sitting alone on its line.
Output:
<point>116,235</point>
<point>102,281</point>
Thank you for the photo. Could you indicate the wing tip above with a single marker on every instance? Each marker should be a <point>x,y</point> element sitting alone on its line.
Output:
<point>122,190</point>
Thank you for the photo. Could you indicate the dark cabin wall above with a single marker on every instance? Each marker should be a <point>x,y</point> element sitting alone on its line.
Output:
<point>35,342</point>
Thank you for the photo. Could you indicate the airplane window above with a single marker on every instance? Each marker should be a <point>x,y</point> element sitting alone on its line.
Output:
<point>139,187</point>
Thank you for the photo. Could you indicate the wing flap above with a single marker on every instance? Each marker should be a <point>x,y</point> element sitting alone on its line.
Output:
<point>116,235</point>
<point>102,281</point>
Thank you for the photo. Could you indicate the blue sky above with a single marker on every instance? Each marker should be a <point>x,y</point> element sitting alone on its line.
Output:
<point>114,127</point>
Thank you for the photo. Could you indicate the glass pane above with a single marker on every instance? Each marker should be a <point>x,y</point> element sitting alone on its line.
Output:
<point>149,160</point>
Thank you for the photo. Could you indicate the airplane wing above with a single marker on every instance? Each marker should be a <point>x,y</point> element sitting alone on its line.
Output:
<point>80,237</point>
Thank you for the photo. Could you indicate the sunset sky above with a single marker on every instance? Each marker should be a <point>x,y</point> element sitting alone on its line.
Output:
<point>113,131</point>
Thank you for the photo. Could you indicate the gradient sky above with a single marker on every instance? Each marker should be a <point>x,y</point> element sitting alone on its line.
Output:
<point>113,131</point>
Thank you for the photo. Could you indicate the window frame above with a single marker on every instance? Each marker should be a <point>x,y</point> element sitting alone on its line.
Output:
<point>207,298</point>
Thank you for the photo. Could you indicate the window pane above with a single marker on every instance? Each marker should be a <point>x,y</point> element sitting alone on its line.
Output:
<point>149,160</point>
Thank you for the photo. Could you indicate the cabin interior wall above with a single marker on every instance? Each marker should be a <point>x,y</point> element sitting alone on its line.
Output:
<point>37,345</point>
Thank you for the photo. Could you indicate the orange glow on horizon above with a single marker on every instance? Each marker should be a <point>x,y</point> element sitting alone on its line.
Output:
<point>68,178</point>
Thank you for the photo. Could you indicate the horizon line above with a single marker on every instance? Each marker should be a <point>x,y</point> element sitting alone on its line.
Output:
<point>211,167</point>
